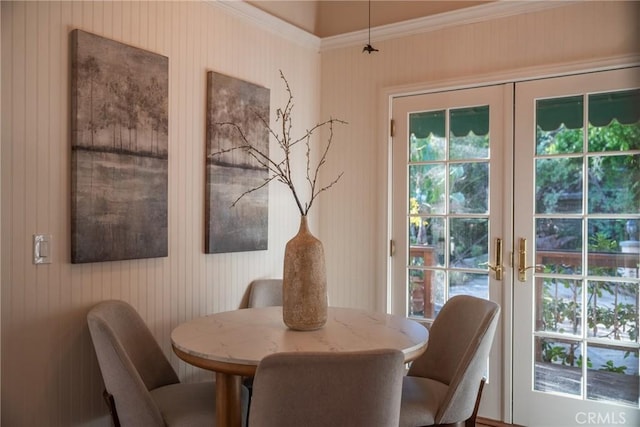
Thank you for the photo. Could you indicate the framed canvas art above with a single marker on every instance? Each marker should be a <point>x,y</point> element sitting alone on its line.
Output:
<point>236,219</point>
<point>119,150</point>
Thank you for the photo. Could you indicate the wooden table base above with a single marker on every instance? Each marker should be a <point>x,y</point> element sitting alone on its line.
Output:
<point>228,400</point>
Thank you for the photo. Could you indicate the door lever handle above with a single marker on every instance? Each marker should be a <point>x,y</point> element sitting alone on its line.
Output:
<point>522,261</point>
<point>498,268</point>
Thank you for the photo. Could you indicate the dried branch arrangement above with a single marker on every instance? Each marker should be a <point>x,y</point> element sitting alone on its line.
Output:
<point>281,170</point>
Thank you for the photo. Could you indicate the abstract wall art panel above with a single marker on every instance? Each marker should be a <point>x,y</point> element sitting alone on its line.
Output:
<point>236,218</point>
<point>119,150</point>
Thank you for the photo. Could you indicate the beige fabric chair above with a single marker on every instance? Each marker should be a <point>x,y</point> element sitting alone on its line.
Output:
<point>144,387</point>
<point>358,389</point>
<point>265,293</point>
<point>442,385</point>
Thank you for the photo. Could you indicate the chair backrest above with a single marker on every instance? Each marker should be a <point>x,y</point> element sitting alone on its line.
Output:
<point>265,293</point>
<point>311,389</point>
<point>459,344</point>
<point>130,360</point>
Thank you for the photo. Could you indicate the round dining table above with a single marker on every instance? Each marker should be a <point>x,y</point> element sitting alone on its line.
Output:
<point>233,343</point>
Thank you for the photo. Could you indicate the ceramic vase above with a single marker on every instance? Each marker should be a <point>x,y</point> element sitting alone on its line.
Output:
<point>304,282</point>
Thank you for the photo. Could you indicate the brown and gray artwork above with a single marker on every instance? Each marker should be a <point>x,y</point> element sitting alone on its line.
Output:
<point>119,150</point>
<point>234,224</point>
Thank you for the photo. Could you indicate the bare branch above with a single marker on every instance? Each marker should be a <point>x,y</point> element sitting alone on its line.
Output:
<point>266,182</point>
<point>282,170</point>
<point>323,189</point>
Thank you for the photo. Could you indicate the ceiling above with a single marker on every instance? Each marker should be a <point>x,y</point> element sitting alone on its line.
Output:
<point>327,18</point>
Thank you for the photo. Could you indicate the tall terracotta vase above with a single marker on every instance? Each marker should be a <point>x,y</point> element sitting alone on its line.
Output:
<point>304,282</point>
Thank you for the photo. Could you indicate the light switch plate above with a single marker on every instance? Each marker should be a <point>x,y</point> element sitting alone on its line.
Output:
<point>42,248</point>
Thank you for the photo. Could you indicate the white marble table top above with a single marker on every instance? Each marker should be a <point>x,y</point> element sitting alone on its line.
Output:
<point>244,337</point>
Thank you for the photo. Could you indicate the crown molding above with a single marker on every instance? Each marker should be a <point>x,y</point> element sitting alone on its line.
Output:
<point>270,23</point>
<point>484,12</point>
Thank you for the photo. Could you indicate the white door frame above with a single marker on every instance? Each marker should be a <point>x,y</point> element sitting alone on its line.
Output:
<point>384,136</point>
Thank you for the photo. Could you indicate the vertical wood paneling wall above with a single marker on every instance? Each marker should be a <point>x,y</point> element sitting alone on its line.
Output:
<point>354,214</point>
<point>49,373</point>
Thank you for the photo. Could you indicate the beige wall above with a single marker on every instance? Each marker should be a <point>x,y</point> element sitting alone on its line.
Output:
<point>353,223</point>
<point>49,372</point>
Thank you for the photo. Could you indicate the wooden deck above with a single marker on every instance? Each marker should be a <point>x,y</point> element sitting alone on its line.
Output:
<point>601,385</point>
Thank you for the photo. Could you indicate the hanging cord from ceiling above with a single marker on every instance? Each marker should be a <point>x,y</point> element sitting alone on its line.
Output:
<point>368,48</point>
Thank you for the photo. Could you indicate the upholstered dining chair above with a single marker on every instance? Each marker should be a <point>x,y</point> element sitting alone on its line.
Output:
<point>262,293</point>
<point>140,383</point>
<point>443,385</point>
<point>265,293</point>
<point>313,389</point>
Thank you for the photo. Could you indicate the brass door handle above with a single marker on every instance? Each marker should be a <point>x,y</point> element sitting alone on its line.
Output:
<point>498,268</point>
<point>522,261</point>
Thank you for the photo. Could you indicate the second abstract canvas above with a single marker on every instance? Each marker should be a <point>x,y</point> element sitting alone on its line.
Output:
<point>236,109</point>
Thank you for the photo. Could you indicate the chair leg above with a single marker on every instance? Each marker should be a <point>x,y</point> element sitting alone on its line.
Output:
<point>111,404</point>
<point>471,421</point>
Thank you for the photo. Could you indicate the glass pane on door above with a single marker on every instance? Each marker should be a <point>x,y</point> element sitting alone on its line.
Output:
<point>587,248</point>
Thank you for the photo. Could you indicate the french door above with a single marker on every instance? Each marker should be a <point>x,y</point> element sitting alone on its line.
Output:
<point>448,219</point>
<point>529,194</point>
<point>577,211</point>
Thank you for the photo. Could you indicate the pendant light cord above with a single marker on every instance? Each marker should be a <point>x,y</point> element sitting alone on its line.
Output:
<point>368,48</point>
<point>369,22</point>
